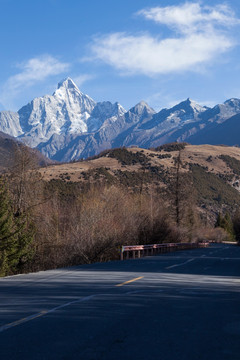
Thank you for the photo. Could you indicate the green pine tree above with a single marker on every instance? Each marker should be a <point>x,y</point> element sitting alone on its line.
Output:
<point>226,223</point>
<point>219,220</point>
<point>228,226</point>
<point>16,235</point>
<point>7,231</point>
<point>25,237</point>
<point>236,226</point>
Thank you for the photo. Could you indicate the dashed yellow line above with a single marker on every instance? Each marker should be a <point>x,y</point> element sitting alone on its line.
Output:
<point>129,281</point>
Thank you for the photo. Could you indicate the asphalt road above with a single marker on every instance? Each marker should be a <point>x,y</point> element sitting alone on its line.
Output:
<point>183,305</point>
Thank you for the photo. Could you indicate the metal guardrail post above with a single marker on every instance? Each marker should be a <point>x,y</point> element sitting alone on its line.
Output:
<point>121,252</point>
<point>157,248</point>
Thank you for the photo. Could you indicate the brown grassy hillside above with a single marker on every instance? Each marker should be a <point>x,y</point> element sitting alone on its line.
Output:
<point>209,157</point>
<point>213,172</point>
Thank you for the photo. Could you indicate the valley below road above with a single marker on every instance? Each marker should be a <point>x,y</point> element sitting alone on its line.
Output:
<point>182,305</point>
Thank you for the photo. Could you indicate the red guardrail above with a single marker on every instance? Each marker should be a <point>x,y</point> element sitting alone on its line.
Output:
<point>133,251</point>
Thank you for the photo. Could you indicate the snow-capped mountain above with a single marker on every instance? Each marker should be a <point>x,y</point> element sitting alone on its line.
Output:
<point>166,122</point>
<point>221,112</point>
<point>70,125</point>
<point>66,111</point>
<point>112,133</point>
<point>166,119</point>
<point>102,111</point>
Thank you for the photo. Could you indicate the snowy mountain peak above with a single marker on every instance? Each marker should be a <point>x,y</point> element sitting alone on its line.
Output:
<point>221,112</point>
<point>192,105</point>
<point>103,111</point>
<point>142,107</point>
<point>64,112</point>
<point>185,112</point>
<point>120,109</point>
<point>68,91</point>
<point>106,110</point>
<point>67,83</point>
<point>233,102</point>
<point>197,107</point>
<point>143,103</point>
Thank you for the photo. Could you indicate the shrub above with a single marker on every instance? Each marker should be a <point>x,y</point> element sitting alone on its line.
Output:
<point>231,162</point>
<point>217,234</point>
<point>171,147</point>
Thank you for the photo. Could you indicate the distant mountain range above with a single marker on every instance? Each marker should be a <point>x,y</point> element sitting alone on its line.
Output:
<point>69,125</point>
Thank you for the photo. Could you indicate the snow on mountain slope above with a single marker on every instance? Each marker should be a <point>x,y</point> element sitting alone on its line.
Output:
<point>112,133</point>
<point>161,126</point>
<point>177,116</point>
<point>9,123</point>
<point>221,112</point>
<point>102,111</point>
<point>66,111</point>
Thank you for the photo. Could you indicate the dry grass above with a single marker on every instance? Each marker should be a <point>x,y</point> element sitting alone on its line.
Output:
<point>204,155</point>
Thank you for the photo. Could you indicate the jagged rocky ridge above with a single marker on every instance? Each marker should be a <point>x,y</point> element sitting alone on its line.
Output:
<point>70,125</point>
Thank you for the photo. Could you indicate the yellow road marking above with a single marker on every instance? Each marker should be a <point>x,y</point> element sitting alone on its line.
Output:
<point>23,320</point>
<point>44,312</point>
<point>129,281</point>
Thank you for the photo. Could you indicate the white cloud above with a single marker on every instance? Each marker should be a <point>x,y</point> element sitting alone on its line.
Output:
<point>31,72</point>
<point>191,16</point>
<point>148,55</point>
<point>201,35</point>
<point>35,70</point>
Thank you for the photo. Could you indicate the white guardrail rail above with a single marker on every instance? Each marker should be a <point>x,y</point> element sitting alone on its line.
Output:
<point>137,251</point>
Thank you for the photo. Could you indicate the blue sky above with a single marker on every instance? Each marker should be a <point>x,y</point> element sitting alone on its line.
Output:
<point>126,51</point>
